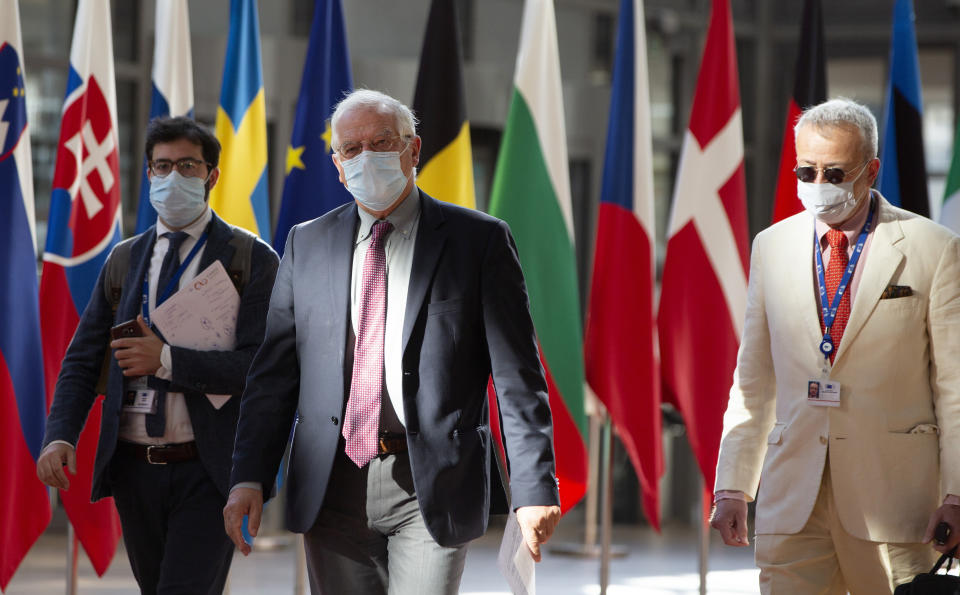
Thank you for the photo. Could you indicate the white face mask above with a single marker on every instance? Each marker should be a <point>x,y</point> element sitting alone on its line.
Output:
<point>375,179</point>
<point>830,203</point>
<point>178,200</point>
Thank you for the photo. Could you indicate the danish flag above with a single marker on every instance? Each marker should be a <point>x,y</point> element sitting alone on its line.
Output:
<point>703,294</point>
<point>84,225</point>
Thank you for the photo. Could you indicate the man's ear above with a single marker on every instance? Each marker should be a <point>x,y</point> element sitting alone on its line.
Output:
<point>340,175</point>
<point>212,180</point>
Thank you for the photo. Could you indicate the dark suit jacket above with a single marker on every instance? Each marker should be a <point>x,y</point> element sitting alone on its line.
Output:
<point>467,315</point>
<point>194,372</point>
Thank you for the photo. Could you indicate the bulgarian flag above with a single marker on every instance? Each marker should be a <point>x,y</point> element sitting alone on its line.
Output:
<point>531,192</point>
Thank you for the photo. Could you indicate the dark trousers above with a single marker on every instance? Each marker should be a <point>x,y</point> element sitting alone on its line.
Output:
<point>172,519</point>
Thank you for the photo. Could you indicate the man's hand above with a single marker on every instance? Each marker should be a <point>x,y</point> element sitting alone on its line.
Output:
<point>949,514</point>
<point>50,465</point>
<point>537,524</point>
<point>139,356</point>
<point>730,519</point>
<point>242,501</point>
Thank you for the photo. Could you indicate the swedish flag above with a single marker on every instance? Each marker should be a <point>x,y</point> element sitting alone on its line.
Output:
<point>241,195</point>
<point>312,187</point>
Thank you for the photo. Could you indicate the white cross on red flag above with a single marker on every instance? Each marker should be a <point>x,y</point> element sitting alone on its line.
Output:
<point>83,227</point>
<point>704,287</point>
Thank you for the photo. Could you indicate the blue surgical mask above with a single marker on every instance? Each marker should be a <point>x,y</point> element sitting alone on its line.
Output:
<point>375,179</point>
<point>178,200</point>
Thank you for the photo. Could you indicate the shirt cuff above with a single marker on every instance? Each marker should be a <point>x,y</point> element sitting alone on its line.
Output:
<point>52,442</point>
<point>253,485</point>
<point>730,495</point>
<point>165,371</point>
<point>952,500</point>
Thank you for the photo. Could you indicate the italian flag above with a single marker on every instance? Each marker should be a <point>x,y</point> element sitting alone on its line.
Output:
<point>950,212</point>
<point>531,192</point>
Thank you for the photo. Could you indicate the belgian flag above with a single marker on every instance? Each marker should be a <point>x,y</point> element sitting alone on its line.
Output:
<point>809,89</point>
<point>446,162</point>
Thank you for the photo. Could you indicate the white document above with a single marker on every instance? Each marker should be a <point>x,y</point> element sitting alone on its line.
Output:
<point>514,560</point>
<point>202,315</point>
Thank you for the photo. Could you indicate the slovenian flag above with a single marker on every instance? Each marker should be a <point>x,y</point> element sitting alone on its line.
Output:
<point>903,170</point>
<point>240,197</point>
<point>312,186</point>
<point>620,331</point>
<point>83,227</point>
<point>172,83</point>
<point>531,192</point>
<point>24,506</point>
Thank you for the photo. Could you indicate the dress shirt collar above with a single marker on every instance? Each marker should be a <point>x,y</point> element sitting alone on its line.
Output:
<point>403,217</point>
<point>194,230</point>
<point>851,227</point>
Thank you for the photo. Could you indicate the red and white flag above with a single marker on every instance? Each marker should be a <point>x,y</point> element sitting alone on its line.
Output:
<point>84,225</point>
<point>704,287</point>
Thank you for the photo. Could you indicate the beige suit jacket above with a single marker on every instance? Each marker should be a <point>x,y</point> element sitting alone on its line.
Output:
<point>894,441</point>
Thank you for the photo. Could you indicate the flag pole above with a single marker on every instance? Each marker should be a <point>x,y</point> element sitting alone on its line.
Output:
<point>704,536</point>
<point>71,560</point>
<point>300,581</point>
<point>606,480</point>
<point>592,501</point>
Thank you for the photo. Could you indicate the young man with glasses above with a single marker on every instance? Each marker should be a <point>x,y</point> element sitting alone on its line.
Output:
<point>170,412</point>
<point>847,388</point>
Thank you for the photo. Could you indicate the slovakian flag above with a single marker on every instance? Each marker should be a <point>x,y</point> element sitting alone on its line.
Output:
<point>619,345</point>
<point>24,505</point>
<point>703,294</point>
<point>903,170</point>
<point>240,197</point>
<point>312,186</point>
<point>441,106</point>
<point>531,192</point>
<point>809,89</point>
<point>172,83</point>
<point>83,227</point>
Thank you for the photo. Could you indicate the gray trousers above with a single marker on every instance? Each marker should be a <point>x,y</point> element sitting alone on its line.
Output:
<point>370,538</point>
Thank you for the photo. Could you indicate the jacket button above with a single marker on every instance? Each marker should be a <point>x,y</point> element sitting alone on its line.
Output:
<point>823,439</point>
<point>334,420</point>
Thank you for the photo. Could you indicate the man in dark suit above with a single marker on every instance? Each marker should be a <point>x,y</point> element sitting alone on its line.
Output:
<point>170,413</point>
<point>387,318</point>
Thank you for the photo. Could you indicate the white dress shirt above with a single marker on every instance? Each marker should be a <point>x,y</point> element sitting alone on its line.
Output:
<point>178,429</point>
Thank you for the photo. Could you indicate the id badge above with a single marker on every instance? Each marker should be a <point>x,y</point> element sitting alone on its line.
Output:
<point>823,393</point>
<point>140,401</point>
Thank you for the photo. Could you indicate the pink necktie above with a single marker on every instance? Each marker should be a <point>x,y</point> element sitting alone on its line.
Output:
<point>362,419</point>
<point>837,265</point>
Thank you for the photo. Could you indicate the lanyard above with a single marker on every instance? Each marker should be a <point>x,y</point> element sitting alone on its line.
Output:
<point>829,313</point>
<point>174,281</point>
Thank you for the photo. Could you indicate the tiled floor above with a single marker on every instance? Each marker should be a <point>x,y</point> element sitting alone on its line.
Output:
<point>654,565</point>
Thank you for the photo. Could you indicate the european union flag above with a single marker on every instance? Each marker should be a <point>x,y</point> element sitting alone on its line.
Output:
<point>903,171</point>
<point>240,197</point>
<point>311,187</point>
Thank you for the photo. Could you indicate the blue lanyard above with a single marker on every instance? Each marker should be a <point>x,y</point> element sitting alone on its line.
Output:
<point>829,313</point>
<point>173,284</point>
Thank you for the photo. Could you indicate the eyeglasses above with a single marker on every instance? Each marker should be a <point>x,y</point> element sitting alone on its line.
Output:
<point>380,144</point>
<point>187,167</point>
<point>834,175</point>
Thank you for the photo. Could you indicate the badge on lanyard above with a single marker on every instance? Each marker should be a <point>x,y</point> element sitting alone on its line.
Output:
<point>140,401</point>
<point>823,393</point>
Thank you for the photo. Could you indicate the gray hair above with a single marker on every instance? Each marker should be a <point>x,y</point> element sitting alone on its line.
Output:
<point>368,98</point>
<point>843,112</point>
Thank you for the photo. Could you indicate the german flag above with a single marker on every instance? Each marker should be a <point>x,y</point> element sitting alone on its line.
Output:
<point>446,170</point>
<point>809,89</point>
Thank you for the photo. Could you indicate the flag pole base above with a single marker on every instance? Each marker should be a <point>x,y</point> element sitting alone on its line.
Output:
<point>582,550</point>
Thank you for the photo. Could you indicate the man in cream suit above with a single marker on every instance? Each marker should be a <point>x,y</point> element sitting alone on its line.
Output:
<point>854,480</point>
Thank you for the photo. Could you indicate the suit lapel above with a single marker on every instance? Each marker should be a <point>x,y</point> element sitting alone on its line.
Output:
<point>341,239</point>
<point>431,237</point>
<point>218,245</point>
<point>140,253</point>
<point>881,264</point>
<point>802,291</point>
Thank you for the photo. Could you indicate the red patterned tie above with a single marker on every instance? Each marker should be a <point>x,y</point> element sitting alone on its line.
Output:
<point>838,264</point>
<point>362,419</point>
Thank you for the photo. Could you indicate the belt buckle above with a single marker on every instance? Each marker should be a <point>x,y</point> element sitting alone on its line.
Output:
<point>383,445</point>
<point>150,458</point>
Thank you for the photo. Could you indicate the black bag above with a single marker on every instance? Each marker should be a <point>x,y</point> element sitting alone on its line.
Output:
<point>932,583</point>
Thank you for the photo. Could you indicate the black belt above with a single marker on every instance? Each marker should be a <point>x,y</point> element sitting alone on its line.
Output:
<point>163,453</point>
<point>389,444</point>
